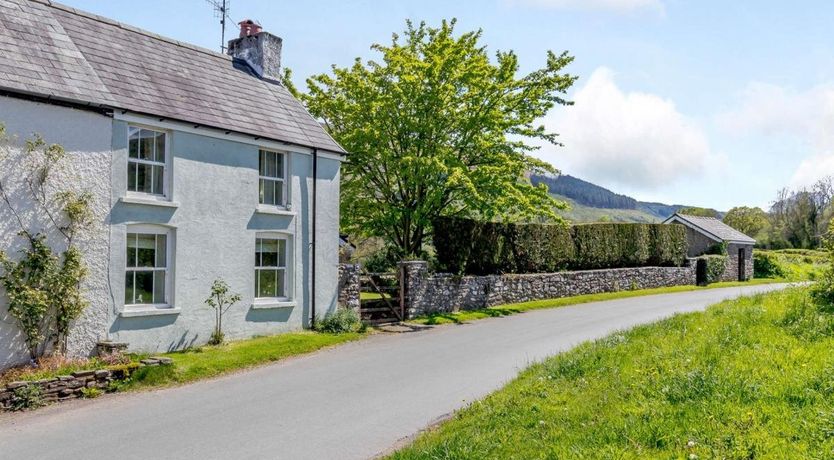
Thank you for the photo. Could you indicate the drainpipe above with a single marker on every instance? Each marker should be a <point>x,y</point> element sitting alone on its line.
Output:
<point>313,242</point>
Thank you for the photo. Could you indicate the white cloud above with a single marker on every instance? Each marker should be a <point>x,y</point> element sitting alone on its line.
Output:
<point>811,170</point>
<point>638,140</point>
<point>806,116</point>
<point>619,6</point>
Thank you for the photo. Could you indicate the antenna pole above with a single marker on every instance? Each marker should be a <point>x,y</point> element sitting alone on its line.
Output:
<point>223,27</point>
<point>221,10</point>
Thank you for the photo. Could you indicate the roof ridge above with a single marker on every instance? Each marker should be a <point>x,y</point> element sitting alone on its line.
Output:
<point>124,26</point>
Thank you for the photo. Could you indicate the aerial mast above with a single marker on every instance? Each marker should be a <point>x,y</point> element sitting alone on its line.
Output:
<point>221,10</point>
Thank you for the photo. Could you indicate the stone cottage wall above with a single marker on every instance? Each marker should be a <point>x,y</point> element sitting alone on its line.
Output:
<point>349,286</point>
<point>731,268</point>
<point>425,293</point>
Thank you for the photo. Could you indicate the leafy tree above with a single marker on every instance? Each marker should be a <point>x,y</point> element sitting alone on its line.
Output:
<point>700,212</point>
<point>750,221</point>
<point>43,286</point>
<point>436,128</point>
<point>221,301</point>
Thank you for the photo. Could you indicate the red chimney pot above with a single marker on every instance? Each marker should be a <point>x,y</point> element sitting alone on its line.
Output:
<point>249,27</point>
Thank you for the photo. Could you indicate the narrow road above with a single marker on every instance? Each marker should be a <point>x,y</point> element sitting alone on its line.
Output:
<point>350,402</point>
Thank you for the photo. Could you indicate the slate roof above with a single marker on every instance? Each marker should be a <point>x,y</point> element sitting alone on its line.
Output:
<point>51,50</point>
<point>713,228</point>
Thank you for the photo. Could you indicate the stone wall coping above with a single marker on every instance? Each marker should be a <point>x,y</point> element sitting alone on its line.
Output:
<point>564,272</point>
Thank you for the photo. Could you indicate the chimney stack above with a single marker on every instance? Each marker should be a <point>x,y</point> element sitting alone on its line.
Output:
<point>261,50</point>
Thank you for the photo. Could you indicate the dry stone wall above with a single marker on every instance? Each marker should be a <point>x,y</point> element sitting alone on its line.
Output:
<point>429,293</point>
<point>72,386</point>
<point>349,286</point>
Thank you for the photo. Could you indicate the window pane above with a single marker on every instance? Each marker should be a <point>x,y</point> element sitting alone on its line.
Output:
<point>143,178</point>
<point>271,167</point>
<point>261,191</point>
<point>279,193</point>
<point>269,192</point>
<point>282,253</point>
<point>146,253</point>
<point>160,147</point>
<point>280,289</point>
<point>146,144</point>
<point>262,163</point>
<point>161,251</point>
<point>144,287</point>
<point>158,171</point>
<point>131,176</point>
<point>267,283</point>
<point>279,165</point>
<point>130,253</point>
<point>268,253</point>
<point>133,145</point>
<point>128,288</point>
<point>159,286</point>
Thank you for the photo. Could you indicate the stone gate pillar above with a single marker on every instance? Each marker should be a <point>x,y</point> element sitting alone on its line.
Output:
<point>413,274</point>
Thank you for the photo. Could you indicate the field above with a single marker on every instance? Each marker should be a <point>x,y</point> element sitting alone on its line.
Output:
<point>799,264</point>
<point>749,378</point>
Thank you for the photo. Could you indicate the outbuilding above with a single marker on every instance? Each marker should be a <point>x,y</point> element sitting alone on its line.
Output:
<point>704,234</point>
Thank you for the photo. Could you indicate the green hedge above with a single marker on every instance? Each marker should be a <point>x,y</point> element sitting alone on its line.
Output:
<point>716,264</point>
<point>481,248</point>
<point>767,265</point>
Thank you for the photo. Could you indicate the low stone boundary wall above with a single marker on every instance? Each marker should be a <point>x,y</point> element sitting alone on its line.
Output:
<point>426,293</point>
<point>349,286</point>
<point>71,386</point>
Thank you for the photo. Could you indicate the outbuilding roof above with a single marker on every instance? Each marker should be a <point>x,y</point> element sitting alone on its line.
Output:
<point>712,228</point>
<point>57,52</point>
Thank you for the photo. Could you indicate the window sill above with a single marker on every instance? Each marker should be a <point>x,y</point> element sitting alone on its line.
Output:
<point>274,210</point>
<point>149,201</point>
<point>272,304</point>
<point>139,312</point>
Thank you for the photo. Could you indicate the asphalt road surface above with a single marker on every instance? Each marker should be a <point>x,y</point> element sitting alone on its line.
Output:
<point>353,401</point>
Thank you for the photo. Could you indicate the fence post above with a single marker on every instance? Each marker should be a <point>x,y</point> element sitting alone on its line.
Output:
<point>412,275</point>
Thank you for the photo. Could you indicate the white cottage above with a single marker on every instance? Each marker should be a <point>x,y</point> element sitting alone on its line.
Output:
<point>202,166</point>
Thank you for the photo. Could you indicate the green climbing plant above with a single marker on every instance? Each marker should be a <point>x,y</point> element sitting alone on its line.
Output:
<point>43,285</point>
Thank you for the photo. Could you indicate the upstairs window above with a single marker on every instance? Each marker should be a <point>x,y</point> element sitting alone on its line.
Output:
<point>271,268</point>
<point>147,273</point>
<point>272,180</point>
<point>146,171</point>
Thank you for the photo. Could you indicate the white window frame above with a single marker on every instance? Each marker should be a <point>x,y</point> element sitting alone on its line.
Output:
<point>148,229</point>
<point>283,180</point>
<point>288,267</point>
<point>166,165</point>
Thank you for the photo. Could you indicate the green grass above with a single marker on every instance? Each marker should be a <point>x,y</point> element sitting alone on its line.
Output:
<point>800,264</point>
<point>511,309</point>
<point>372,296</point>
<point>211,361</point>
<point>749,378</point>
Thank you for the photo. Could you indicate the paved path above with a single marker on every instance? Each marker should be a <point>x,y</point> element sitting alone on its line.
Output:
<point>353,401</point>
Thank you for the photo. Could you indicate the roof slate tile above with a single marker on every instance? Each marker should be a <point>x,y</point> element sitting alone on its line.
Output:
<point>92,59</point>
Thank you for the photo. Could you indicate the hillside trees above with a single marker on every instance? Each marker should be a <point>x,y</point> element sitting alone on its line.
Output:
<point>435,127</point>
<point>747,220</point>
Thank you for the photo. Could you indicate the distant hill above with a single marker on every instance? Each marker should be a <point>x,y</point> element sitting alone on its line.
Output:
<point>584,192</point>
<point>592,203</point>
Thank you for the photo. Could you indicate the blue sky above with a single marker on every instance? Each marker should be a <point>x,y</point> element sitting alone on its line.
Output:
<point>708,103</point>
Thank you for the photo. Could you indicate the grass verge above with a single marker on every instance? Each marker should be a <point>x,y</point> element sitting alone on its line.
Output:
<point>212,361</point>
<point>511,309</point>
<point>198,363</point>
<point>748,378</point>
